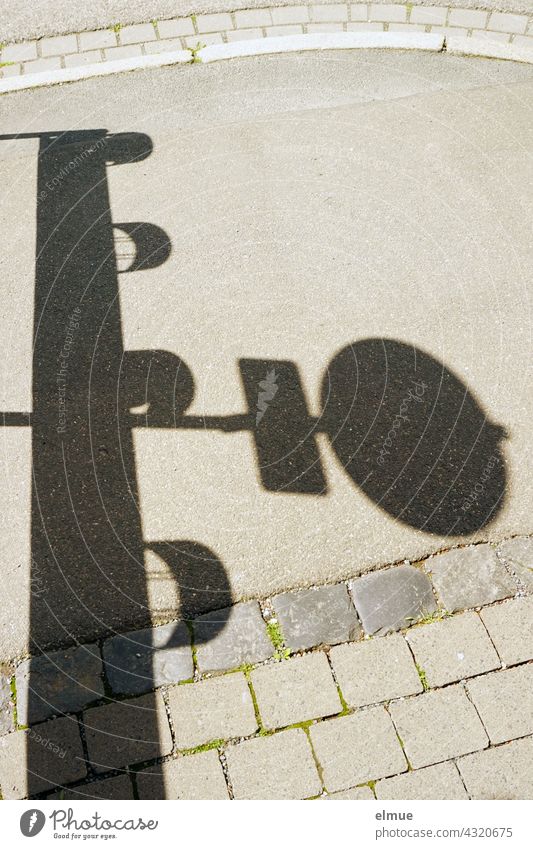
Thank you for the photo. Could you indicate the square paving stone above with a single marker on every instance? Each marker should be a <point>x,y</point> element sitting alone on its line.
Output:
<point>57,683</point>
<point>323,616</point>
<point>453,649</point>
<point>143,660</point>
<point>277,767</point>
<point>356,793</point>
<point>295,690</point>
<point>225,639</point>
<point>504,701</point>
<point>192,777</point>
<point>40,758</point>
<point>118,787</point>
<point>375,670</point>
<point>124,733</point>
<point>441,781</point>
<point>469,577</point>
<point>392,598</point>
<point>358,748</point>
<point>217,709</point>
<point>518,553</point>
<point>510,625</point>
<point>6,704</point>
<point>505,772</point>
<point>438,726</point>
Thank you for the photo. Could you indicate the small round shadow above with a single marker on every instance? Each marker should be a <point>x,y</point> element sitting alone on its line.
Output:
<point>413,437</point>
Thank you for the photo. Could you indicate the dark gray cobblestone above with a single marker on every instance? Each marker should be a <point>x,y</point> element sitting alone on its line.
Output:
<point>242,639</point>
<point>322,616</point>
<point>144,660</point>
<point>470,577</point>
<point>392,599</point>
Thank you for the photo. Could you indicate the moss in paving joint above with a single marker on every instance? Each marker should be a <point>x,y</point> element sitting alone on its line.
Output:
<point>13,688</point>
<point>423,677</point>
<point>246,671</point>
<point>194,51</point>
<point>205,747</point>
<point>282,652</point>
<point>305,727</point>
<point>116,28</point>
<point>5,64</point>
<point>426,617</point>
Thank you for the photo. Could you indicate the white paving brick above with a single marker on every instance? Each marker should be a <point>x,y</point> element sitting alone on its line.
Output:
<point>51,63</point>
<point>19,52</point>
<point>329,12</point>
<point>214,23</point>
<point>290,15</point>
<point>250,18</point>
<point>86,58</point>
<point>97,40</point>
<point>173,29</point>
<point>428,15</point>
<point>508,23</point>
<point>468,18</point>
<point>244,34</point>
<point>137,34</point>
<point>379,12</point>
<point>359,12</point>
<point>125,52</point>
<point>58,45</point>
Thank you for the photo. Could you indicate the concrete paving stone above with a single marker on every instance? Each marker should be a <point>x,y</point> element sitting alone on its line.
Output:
<point>207,39</point>
<point>453,649</point>
<point>280,766</point>
<point>97,40</point>
<point>59,45</point>
<point>125,52</point>
<point>123,733</point>
<point>191,777</point>
<point>391,599</point>
<point>406,28</point>
<point>505,772</point>
<point>505,22</point>
<point>13,70</point>
<point>87,58</point>
<point>510,625</point>
<point>51,63</point>
<point>295,690</point>
<point>356,793</point>
<point>173,29</point>
<point>428,15</point>
<point>375,670</point>
<point>137,33</point>
<point>504,701</point>
<point>518,554</point>
<point>323,616</point>
<point>59,682</point>
<point>358,748</point>
<point>437,726</point>
<point>6,703</point>
<point>163,46</point>
<point>118,787</point>
<point>38,759</point>
<point>253,18</point>
<point>387,12</point>
<point>441,781</point>
<point>468,577</point>
<point>242,639</point>
<point>364,26</point>
<point>359,12</point>
<point>215,709</point>
<point>329,12</point>
<point>143,660</point>
<point>19,52</point>
<point>214,23</point>
<point>244,35</point>
<point>285,29</point>
<point>325,27</point>
<point>467,18</point>
<point>492,36</point>
<point>290,15</point>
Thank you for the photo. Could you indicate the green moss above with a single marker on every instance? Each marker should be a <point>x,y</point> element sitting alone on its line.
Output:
<point>423,677</point>
<point>4,64</point>
<point>116,28</point>
<point>282,652</point>
<point>426,618</point>
<point>205,747</point>
<point>195,51</point>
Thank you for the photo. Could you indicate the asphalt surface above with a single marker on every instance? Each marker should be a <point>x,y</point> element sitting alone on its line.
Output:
<point>340,278</point>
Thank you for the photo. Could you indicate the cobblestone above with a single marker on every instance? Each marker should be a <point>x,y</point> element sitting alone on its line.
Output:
<point>437,726</point>
<point>392,599</point>
<point>36,760</point>
<point>375,670</point>
<point>277,767</point>
<point>142,660</point>
<point>510,626</point>
<point>518,553</point>
<point>323,616</point>
<point>242,639</point>
<point>219,708</point>
<point>505,772</point>
<point>433,782</point>
<point>60,682</point>
<point>453,649</point>
<point>124,733</point>
<point>192,777</point>
<point>504,701</point>
<point>468,577</point>
<point>356,749</point>
<point>295,690</point>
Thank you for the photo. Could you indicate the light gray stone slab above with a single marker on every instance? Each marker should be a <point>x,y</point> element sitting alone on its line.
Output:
<point>322,616</point>
<point>437,726</point>
<point>277,767</point>
<point>39,759</point>
<point>120,734</point>
<point>510,625</point>
<point>375,670</point>
<point>58,682</point>
<point>143,660</point>
<point>504,701</point>
<point>505,772</point>
<point>453,649</point>
<point>295,690</point>
<point>392,598</point>
<point>441,781</point>
<point>358,748</point>
<point>469,577</point>
<point>216,709</point>
<point>242,639</point>
<point>6,704</point>
<point>518,553</point>
<point>192,777</point>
